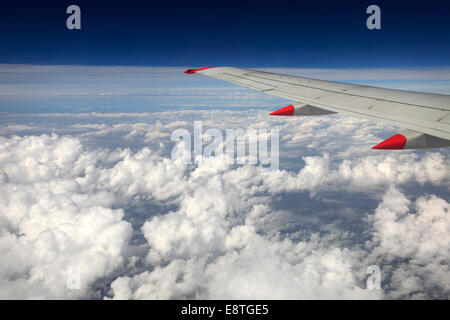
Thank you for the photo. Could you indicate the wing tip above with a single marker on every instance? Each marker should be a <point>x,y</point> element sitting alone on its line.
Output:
<point>192,71</point>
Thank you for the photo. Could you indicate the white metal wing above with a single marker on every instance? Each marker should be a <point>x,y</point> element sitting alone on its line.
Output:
<point>424,117</point>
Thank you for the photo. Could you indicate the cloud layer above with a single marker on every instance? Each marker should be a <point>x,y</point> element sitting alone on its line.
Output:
<point>139,225</point>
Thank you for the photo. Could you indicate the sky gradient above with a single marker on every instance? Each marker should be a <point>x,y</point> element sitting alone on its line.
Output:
<point>231,33</point>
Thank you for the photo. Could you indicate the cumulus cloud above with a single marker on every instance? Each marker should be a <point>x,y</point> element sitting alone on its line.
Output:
<point>261,269</point>
<point>104,196</point>
<point>49,223</point>
<point>214,230</point>
<point>244,264</point>
<point>417,234</point>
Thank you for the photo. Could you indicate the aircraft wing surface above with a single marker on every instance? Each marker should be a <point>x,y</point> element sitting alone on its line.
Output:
<point>424,117</point>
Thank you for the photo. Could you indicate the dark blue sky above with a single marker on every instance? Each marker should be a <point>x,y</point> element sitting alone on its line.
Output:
<point>235,33</point>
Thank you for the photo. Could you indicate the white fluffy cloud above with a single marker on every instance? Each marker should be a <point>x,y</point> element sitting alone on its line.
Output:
<point>64,202</point>
<point>49,224</point>
<point>242,263</point>
<point>417,234</point>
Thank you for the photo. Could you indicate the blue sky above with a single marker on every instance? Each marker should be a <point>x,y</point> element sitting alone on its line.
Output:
<point>319,39</point>
<point>238,33</point>
<point>325,39</point>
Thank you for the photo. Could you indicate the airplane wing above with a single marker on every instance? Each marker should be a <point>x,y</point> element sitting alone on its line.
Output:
<point>424,117</point>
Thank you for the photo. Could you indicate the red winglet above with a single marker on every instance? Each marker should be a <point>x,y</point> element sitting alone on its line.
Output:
<point>396,142</point>
<point>192,71</point>
<point>286,111</point>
